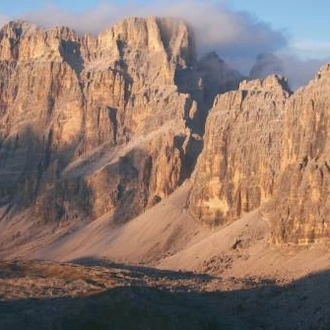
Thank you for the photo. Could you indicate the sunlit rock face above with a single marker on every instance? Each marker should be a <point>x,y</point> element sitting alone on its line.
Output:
<point>112,124</point>
<point>240,163</point>
<point>301,205</point>
<point>93,125</point>
<point>265,146</point>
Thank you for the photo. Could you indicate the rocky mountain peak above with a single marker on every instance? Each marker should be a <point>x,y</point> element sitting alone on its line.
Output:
<point>324,72</point>
<point>65,97</point>
<point>18,28</point>
<point>114,123</point>
<point>272,82</point>
<point>179,40</point>
<point>216,76</point>
<point>10,35</point>
<point>23,41</point>
<point>170,36</point>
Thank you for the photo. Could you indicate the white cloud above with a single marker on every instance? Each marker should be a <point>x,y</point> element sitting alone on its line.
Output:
<point>310,48</point>
<point>238,37</point>
<point>3,20</point>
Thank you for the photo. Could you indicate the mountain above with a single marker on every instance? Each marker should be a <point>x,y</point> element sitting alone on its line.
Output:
<point>91,125</point>
<point>111,125</point>
<point>240,162</point>
<point>265,146</point>
<point>150,178</point>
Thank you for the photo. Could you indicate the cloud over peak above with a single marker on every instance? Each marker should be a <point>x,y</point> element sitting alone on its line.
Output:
<point>238,37</point>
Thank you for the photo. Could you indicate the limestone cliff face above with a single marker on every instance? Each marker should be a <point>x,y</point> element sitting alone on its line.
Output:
<point>301,206</point>
<point>265,147</point>
<point>40,100</point>
<point>240,162</point>
<point>90,125</point>
<point>112,124</point>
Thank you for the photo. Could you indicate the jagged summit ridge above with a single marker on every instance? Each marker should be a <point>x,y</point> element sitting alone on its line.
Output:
<point>19,27</point>
<point>170,40</point>
<point>155,35</point>
<point>266,147</point>
<point>271,82</point>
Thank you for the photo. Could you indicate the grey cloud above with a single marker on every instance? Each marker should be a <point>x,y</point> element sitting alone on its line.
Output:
<point>298,71</point>
<point>266,64</point>
<point>228,32</point>
<point>301,71</point>
<point>238,37</point>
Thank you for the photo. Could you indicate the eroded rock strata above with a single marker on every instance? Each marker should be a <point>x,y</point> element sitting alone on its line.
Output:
<point>112,124</point>
<point>300,209</point>
<point>91,125</point>
<point>241,159</point>
<point>266,147</point>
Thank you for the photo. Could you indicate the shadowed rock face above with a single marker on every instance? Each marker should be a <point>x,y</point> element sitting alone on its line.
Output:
<point>91,125</point>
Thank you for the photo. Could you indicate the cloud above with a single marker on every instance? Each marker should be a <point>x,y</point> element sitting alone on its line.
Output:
<point>3,20</point>
<point>93,20</point>
<point>300,71</point>
<point>238,37</point>
<point>266,64</point>
<point>219,27</point>
<point>311,48</point>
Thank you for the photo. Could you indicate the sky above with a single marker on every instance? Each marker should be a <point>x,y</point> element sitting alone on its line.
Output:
<point>306,22</point>
<point>296,31</point>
